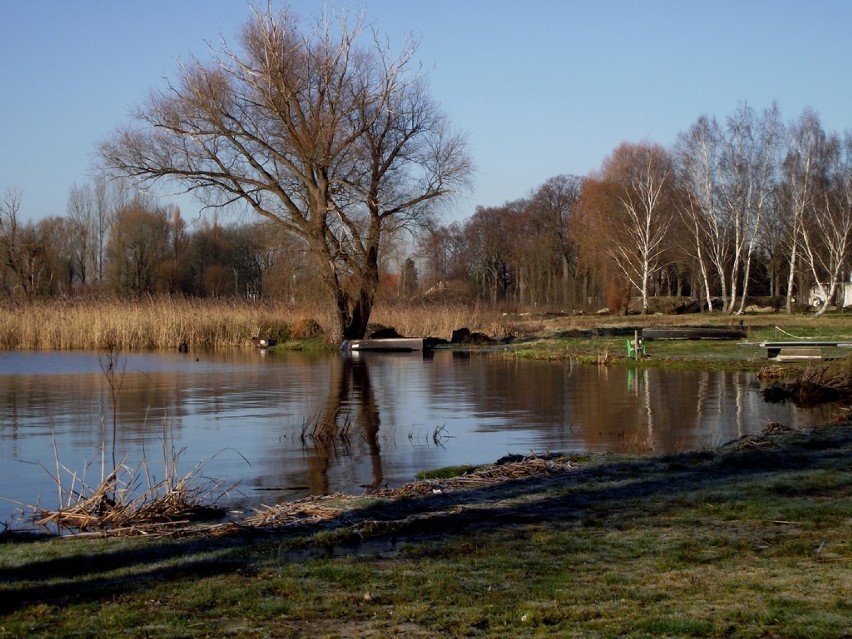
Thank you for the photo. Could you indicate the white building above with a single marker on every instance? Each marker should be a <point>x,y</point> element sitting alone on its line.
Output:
<point>842,295</point>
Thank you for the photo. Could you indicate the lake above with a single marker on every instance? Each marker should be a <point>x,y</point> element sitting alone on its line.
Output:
<point>264,427</point>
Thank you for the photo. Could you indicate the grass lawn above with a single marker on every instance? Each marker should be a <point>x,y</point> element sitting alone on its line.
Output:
<point>754,540</point>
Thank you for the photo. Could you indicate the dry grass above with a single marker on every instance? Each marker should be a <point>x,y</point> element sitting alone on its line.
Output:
<point>835,375</point>
<point>430,320</point>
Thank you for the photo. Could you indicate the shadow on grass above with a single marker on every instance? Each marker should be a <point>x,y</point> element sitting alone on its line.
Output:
<point>610,494</point>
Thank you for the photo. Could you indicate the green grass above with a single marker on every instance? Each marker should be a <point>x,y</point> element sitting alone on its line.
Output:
<point>749,541</point>
<point>446,472</point>
<point>713,354</point>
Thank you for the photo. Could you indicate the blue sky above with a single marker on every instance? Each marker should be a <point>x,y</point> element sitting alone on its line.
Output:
<point>541,87</point>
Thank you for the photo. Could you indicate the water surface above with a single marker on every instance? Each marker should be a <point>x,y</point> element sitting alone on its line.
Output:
<point>253,421</point>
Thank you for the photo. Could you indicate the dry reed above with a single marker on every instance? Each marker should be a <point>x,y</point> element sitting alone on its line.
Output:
<point>148,324</point>
<point>835,375</point>
<point>128,500</point>
<point>164,323</point>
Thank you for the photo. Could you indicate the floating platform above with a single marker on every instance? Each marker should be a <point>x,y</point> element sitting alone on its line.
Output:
<point>385,345</point>
<point>692,332</point>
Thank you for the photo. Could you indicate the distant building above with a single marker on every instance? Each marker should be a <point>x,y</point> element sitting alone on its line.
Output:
<point>842,295</point>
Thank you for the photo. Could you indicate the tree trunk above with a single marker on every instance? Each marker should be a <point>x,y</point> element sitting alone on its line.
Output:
<point>354,315</point>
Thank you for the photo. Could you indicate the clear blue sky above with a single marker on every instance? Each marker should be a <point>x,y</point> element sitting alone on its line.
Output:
<point>542,87</point>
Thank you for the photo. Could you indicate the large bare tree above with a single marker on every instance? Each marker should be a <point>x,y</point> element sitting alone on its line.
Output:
<point>335,141</point>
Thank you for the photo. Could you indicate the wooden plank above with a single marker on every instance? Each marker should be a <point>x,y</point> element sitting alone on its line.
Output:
<point>805,344</point>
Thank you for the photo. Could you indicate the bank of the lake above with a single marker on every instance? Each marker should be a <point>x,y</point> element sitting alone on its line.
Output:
<point>752,540</point>
<point>605,342</point>
<point>167,323</point>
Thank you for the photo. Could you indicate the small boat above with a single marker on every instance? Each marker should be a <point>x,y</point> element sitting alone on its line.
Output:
<point>692,332</point>
<point>263,342</point>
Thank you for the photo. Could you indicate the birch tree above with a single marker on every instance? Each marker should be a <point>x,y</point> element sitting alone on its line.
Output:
<point>827,225</point>
<point>805,143</point>
<point>730,176</point>
<point>335,141</point>
<point>639,236</point>
<point>699,158</point>
<point>750,167</point>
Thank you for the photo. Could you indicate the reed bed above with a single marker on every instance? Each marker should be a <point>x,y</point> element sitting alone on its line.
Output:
<point>147,324</point>
<point>162,323</point>
<point>815,383</point>
<point>833,374</point>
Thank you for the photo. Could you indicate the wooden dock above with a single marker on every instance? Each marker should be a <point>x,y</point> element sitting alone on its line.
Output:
<point>386,345</point>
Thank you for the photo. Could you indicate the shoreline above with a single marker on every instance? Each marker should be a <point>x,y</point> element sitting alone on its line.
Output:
<point>512,557</point>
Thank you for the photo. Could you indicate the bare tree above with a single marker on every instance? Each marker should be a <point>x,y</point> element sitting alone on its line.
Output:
<point>109,197</point>
<point>555,206</point>
<point>335,142</point>
<point>698,157</point>
<point>491,240</point>
<point>23,249</point>
<point>137,247</point>
<point>749,164</point>
<point>81,209</point>
<point>729,176</point>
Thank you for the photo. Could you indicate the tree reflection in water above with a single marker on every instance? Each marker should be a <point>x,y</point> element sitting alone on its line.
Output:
<point>350,411</point>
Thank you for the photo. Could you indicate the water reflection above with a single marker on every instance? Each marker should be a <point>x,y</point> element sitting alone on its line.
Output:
<point>281,426</point>
<point>350,411</point>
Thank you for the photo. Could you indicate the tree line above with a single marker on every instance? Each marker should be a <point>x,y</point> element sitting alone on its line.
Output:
<point>115,240</point>
<point>749,206</point>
